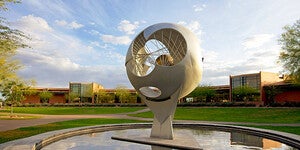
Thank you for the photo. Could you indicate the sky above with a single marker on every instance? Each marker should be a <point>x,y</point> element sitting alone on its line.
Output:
<point>87,40</point>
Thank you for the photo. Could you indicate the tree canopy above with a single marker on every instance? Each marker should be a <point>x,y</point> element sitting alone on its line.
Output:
<point>10,41</point>
<point>122,93</point>
<point>290,51</point>
<point>203,93</point>
<point>45,96</point>
<point>245,93</point>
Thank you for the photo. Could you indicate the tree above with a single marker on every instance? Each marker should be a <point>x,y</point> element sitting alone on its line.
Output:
<point>245,93</point>
<point>133,98</point>
<point>3,3</point>
<point>72,96</point>
<point>271,91</point>
<point>10,41</point>
<point>122,94</point>
<point>103,97</point>
<point>14,92</point>
<point>45,96</point>
<point>203,93</point>
<point>290,51</point>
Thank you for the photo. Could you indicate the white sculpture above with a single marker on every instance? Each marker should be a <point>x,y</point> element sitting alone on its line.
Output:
<point>164,64</point>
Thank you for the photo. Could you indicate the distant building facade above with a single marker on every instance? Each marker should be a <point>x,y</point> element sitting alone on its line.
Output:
<point>222,93</point>
<point>84,91</point>
<point>58,95</point>
<point>78,92</point>
<point>281,92</point>
<point>268,85</point>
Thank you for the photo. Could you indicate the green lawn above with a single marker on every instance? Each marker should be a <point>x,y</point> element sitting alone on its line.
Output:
<point>72,110</point>
<point>10,135</point>
<point>230,114</point>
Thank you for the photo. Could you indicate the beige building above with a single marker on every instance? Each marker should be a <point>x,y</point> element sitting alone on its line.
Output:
<point>254,80</point>
<point>84,91</point>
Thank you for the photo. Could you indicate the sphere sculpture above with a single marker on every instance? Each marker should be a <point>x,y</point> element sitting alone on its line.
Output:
<point>163,64</point>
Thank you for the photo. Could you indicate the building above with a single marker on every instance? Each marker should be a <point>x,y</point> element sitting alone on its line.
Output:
<point>79,92</point>
<point>84,92</point>
<point>222,93</point>
<point>58,95</point>
<point>271,87</point>
<point>281,92</point>
<point>254,80</point>
<point>218,93</point>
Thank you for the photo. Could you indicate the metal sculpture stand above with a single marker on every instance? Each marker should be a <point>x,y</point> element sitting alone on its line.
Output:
<point>163,117</point>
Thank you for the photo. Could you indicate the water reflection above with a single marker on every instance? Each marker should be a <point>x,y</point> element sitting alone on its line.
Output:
<point>207,139</point>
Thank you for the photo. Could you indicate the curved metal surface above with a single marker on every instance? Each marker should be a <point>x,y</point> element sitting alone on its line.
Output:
<point>170,62</point>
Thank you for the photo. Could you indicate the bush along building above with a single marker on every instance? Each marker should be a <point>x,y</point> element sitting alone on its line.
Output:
<point>260,89</point>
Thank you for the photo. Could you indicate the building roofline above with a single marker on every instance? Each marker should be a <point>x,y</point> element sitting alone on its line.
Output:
<point>49,88</point>
<point>252,74</point>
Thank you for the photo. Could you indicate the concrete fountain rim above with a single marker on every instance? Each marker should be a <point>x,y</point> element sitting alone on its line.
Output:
<point>286,138</point>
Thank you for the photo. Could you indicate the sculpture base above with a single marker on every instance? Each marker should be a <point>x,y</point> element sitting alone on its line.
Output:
<point>179,142</point>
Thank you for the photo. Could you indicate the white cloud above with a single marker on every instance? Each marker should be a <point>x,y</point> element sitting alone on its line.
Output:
<point>95,43</point>
<point>217,71</point>
<point>32,22</point>
<point>50,71</point>
<point>194,26</point>
<point>257,40</point>
<point>210,56</point>
<point>75,25</point>
<point>94,32</point>
<point>128,27</point>
<point>50,8</point>
<point>198,8</point>
<point>92,23</point>
<point>116,40</point>
<point>57,58</point>
<point>71,25</point>
<point>61,22</point>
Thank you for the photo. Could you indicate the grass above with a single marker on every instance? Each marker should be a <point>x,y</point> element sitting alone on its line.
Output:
<point>72,110</point>
<point>254,115</point>
<point>19,133</point>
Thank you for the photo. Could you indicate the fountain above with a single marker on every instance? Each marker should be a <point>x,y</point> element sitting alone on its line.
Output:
<point>163,64</point>
<point>208,136</point>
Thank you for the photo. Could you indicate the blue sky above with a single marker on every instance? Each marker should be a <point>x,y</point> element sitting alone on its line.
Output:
<point>87,40</point>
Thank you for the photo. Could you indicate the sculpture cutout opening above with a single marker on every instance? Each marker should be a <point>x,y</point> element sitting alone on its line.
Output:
<point>163,64</point>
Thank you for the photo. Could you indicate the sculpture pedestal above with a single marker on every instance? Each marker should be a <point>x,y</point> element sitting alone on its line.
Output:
<point>179,141</point>
<point>162,130</point>
<point>163,116</point>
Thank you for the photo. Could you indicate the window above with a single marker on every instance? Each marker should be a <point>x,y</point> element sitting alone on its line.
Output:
<point>243,81</point>
<point>75,88</point>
